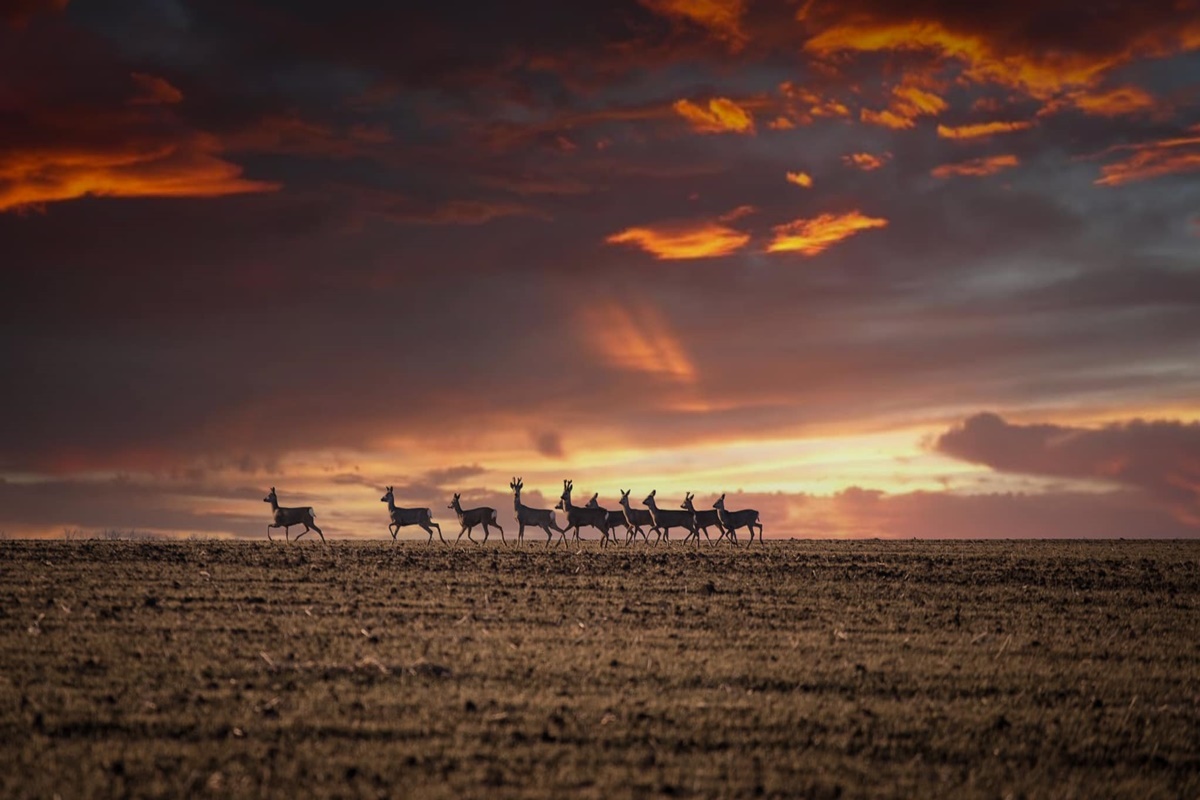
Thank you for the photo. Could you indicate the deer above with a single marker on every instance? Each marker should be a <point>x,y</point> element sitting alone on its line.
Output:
<point>732,520</point>
<point>402,517</point>
<point>474,516</point>
<point>613,519</point>
<point>287,517</point>
<point>665,520</point>
<point>635,518</point>
<point>533,517</point>
<point>703,519</point>
<point>578,516</point>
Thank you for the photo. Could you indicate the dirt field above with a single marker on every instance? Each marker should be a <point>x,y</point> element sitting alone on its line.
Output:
<point>802,669</point>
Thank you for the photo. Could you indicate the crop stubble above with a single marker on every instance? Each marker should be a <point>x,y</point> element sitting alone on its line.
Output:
<point>800,669</point>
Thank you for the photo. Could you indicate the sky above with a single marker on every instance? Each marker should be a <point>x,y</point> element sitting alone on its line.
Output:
<point>876,269</point>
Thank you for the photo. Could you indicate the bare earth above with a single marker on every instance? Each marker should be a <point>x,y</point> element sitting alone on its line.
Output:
<point>799,669</point>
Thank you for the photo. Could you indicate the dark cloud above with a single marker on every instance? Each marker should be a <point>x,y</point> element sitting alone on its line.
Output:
<point>1159,456</point>
<point>548,443</point>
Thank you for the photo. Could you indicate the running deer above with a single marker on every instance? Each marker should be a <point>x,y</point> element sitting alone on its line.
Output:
<point>635,518</point>
<point>665,520</point>
<point>474,516</point>
<point>403,517</point>
<point>703,519</point>
<point>732,520</point>
<point>287,517</point>
<point>533,517</point>
<point>614,520</point>
<point>579,516</point>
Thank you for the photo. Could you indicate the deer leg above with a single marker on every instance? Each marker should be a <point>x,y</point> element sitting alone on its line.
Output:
<point>486,532</point>
<point>269,538</point>
<point>439,530</point>
<point>319,533</point>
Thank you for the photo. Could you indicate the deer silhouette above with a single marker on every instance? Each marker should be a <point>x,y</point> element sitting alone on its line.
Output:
<point>472,517</point>
<point>703,519</point>
<point>533,517</point>
<point>402,517</point>
<point>287,517</point>
<point>665,520</point>
<point>578,516</point>
<point>635,518</point>
<point>732,520</point>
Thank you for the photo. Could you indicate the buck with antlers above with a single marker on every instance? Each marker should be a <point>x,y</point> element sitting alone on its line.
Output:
<point>635,518</point>
<point>732,520</point>
<point>472,517</point>
<point>533,517</point>
<point>665,520</point>
<point>402,517</point>
<point>703,519</point>
<point>579,516</point>
<point>287,517</point>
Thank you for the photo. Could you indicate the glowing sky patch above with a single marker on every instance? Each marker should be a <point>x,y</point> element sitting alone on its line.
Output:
<point>811,237</point>
<point>982,130</point>
<point>719,115</point>
<point>684,240</point>
<point>801,179</point>
<point>977,167</point>
<point>867,162</point>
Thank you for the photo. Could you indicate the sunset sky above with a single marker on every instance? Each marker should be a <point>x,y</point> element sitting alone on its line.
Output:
<point>874,268</point>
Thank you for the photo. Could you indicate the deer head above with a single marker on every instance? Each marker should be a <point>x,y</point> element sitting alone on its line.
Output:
<point>649,498</point>
<point>387,496</point>
<point>687,502</point>
<point>720,503</point>
<point>454,502</point>
<point>270,497</point>
<point>595,501</point>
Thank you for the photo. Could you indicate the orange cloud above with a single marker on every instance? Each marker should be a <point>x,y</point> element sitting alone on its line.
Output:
<point>154,91</point>
<point>1115,102</point>
<point>981,130</point>
<point>865,161</point>
<point>706,240</point>
<point>1040,76</point>
<point>812,236</point>
<point>737,213</point>
<point>192,167</point>
<point>805,106</point>
<point>800,179</point>
<point>721,18</point>
<point>986,50</point>
<point>909,101</point>
<point>722,116</point>
<point>988,165</point>
<point>1152,160</point>
<point>633,337</point>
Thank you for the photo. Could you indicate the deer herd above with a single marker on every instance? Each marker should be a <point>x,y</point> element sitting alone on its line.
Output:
<point>635,521</point>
